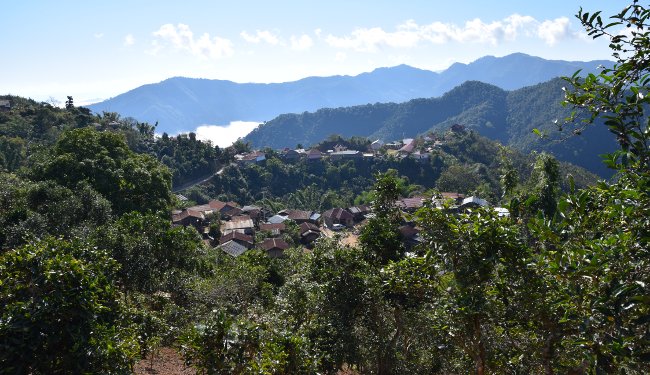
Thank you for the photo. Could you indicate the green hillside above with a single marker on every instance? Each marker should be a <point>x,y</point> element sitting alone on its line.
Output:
<point>506,116</point>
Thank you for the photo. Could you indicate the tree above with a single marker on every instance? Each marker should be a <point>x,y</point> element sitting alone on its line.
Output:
<point>618,94</point>
<point>594,254</point>
<point>509,176</point>
<point>153,255</point>
<point>69,104</point>
<point>380,237</point>
<point>60,311</point>
<point>476,258</point>
<point>458,178</point>
<point>131,182</point>
<point>33,210</point>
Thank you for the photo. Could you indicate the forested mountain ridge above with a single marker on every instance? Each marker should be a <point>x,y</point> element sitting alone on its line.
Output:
<point>181,104</point>
<point>506,116</point>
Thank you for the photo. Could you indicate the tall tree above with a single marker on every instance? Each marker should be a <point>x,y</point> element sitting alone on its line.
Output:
<point>131,182</point>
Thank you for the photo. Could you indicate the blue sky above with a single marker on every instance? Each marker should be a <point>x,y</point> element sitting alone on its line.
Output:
<point>98,49</point>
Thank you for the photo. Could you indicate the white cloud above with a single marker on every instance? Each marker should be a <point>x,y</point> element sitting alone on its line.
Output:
<point>129,40</point>
<point>260,36</point>
<point>98,35</point>
<point>181,38</point>
<point>410,34</point>
<point>304,42</point>
<point>368,40</point>
<point>340,56</point>
<point>318,32</point>
<point>552,31</point>
<point>225,135</point>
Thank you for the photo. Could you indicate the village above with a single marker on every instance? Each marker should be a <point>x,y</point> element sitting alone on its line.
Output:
<point>419,148</point>
<point>235,229</point>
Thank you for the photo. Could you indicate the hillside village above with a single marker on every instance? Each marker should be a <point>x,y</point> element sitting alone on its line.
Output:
<point>418,148</point>
<point>235,229</point>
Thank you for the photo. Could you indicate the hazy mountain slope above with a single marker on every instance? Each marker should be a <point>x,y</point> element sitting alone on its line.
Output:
<point>182,104</point>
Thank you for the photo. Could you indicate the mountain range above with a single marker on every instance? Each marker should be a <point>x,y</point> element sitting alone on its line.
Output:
<point>506,116</point>
<point>182,104</point>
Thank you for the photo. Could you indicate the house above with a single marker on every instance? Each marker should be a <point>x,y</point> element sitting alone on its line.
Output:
<point>181,197</point>
<point>456,197</point>
<point>226,210</point>
<point>410,204</point>
<point>359,212</point>
<point>448,200</point>
<point>254,157</point>
<point>309,233</point>
<point>409,146</point>
<point>241,223</point>
<point>276,219</point>
<point>502,211</point>
<point>238,237</point>
<point>254,212</point>
<point>394,145</point>
<point>422,157</point>
<point>410,235</point>
<point>233,248</point>
<point>274,229</point>
<point>188,217</point>
<point>235,243</point>
<point>376,145</point>
<point>293,154</point>
<point>274,247</point>
<point>205,209</point>
<point>349,154</point>
<point>314,154</point>
<point>300,216</point>
<point>339,148</point>
<point>338,216</point>
<point>473,201</point>
<point>5,105</point>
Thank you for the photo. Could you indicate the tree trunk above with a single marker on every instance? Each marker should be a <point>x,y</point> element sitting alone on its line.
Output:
<point>480,360</point>
<point>386,358</point>
<point>548,351</point>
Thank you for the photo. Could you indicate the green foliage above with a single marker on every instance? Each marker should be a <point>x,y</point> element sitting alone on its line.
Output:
<point>12,153</point>
<point>466,163</point>
<point>477,260</point>
<point>459,178</point>
<point>380,237</point>
<point>154,256</point>
<point>188,158</point>
<point>131,182</point>
<point>224,345</point>
<point>595,260</point>
<point>619,94</point>
<point>34,210</point>
<point>60,311</point>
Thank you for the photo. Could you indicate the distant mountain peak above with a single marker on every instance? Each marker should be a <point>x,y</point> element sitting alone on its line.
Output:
<point>182,104</point>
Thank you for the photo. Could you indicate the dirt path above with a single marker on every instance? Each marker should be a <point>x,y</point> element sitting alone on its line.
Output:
<point>347,237</point>
<point>166,362</point>
<point>199,181</point>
